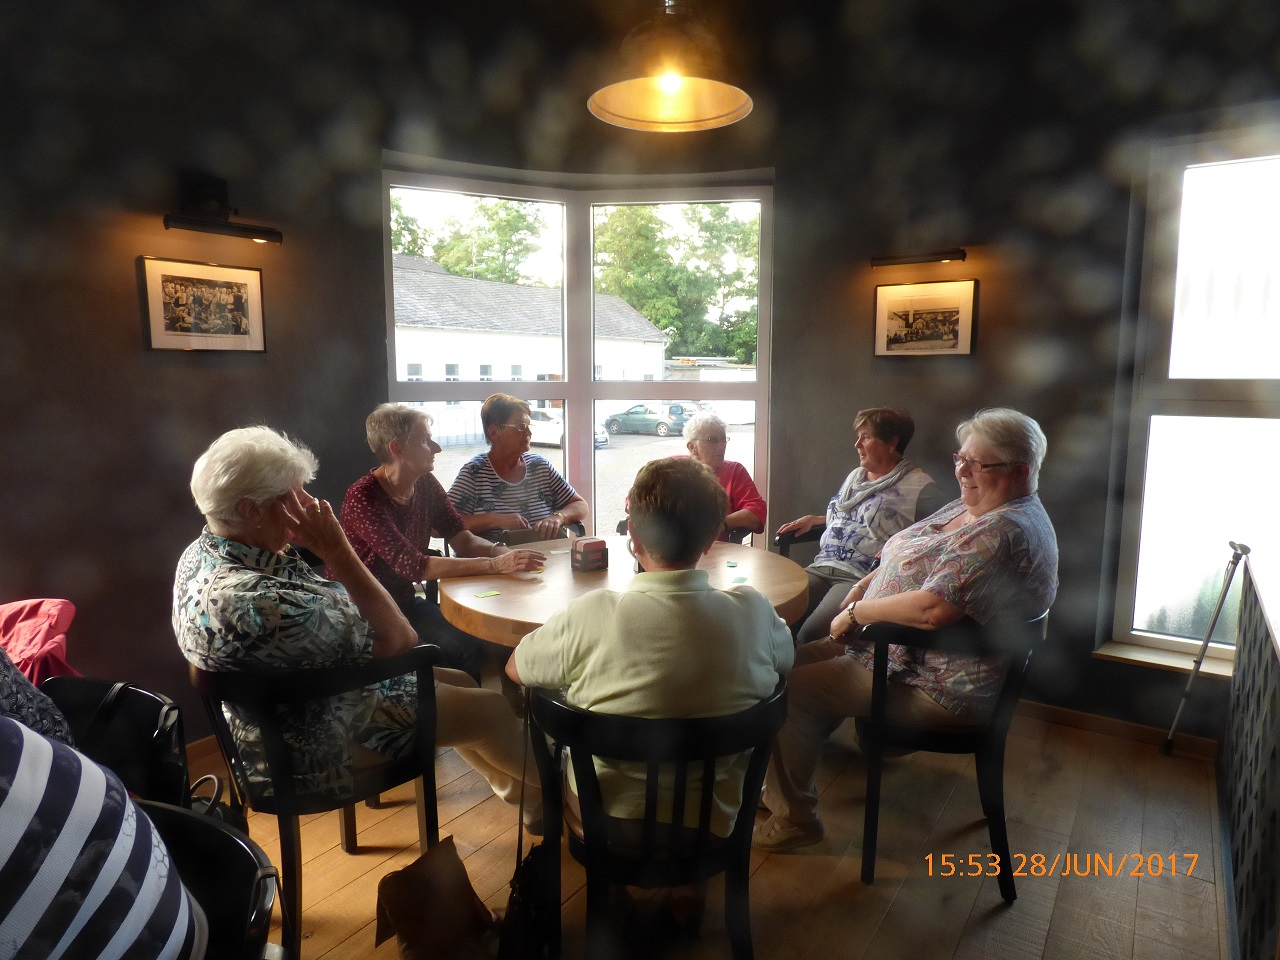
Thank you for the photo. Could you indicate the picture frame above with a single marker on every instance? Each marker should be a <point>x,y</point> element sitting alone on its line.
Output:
<point>189,305</point>
<point>934,318</point>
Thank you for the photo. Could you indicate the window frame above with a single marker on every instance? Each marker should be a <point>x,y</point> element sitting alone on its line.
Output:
<point>579,389</point>
<point>1153,392</point>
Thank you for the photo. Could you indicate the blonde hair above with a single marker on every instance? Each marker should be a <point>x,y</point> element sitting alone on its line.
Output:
<point>677,508</point>
<point>391,422</point>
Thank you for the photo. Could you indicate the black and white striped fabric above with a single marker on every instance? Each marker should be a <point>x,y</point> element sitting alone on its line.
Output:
<point>83,874</point>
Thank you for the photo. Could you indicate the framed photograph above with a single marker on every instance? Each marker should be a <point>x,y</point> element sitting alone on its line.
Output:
<point>201,306</point>
<point>925,319</point>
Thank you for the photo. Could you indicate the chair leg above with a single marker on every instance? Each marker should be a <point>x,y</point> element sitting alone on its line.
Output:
<point>597,934</point>
<point>871,820</point>
<point>290,885</point>
<point>428,822</point>
<point>737,911</point>
<point>374,802</point>
<point>990,769</point>
<point>347,828</point>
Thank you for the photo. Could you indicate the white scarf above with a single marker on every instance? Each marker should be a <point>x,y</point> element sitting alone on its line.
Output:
<point>857,488</point>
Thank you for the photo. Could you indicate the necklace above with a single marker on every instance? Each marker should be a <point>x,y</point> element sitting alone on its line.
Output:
<point>401,499</point>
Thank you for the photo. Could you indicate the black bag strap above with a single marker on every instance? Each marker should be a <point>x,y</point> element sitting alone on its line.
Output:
<point>524,772</point>
<point>102,714</point>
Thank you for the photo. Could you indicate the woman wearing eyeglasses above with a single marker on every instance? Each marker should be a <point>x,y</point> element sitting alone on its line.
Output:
<point>883,494</point>
<point>991,549</point>
<point>706,438</point>
<point>510,488</point>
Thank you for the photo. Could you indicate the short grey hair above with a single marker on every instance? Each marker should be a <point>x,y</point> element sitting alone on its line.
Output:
<point>252,462</point>
<point>702,419</point>
<point>388,422</point>
<point>1012,436</point>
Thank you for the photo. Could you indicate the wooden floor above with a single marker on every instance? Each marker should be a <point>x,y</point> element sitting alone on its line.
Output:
<point>1069,792</point>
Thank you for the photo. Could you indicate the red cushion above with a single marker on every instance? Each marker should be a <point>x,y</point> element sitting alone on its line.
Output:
<point>34,635</point>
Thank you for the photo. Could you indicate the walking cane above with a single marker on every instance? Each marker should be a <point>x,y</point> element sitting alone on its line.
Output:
<point>1239,550</point>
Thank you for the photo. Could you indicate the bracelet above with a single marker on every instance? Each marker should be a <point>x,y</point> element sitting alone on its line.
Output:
<point>853,621</point>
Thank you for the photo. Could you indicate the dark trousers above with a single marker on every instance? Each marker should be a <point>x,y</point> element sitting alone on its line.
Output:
<point>461,650</point>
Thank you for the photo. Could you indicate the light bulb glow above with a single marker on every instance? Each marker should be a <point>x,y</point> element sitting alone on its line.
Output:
<point>670,83</point>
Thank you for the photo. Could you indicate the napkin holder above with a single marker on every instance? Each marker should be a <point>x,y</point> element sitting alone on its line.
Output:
<point>588,554</point>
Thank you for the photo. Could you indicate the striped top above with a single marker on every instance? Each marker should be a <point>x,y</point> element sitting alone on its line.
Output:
<point>479,489</point>
<point>83,874</point>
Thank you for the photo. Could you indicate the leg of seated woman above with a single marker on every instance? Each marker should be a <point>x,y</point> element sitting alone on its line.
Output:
<point>818,624</point>
<point>820,696</point>
<point>461,650</point>
<point>481,727</point>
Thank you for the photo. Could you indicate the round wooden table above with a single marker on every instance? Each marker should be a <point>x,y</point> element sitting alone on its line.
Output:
<point>503,608</point>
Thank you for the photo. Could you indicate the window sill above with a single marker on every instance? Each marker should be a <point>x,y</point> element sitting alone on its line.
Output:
<point>1161,659</point>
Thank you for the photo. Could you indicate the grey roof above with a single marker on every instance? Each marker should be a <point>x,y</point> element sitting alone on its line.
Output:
<point>427,296</point>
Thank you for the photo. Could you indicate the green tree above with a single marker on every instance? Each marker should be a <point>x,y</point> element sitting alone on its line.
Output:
<point>407,235</point>
<point>696,281</point>
<point>493,243</point>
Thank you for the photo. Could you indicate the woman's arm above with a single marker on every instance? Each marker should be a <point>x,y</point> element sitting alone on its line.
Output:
<point>575,510</point>
<point>477,556</point>
<point>316,528</point>
<point>913,608</point>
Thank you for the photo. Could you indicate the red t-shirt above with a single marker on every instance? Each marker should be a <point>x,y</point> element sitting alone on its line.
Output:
<point>392,539</point>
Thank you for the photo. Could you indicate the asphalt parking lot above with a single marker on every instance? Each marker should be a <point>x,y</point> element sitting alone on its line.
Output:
<point>616,465</point>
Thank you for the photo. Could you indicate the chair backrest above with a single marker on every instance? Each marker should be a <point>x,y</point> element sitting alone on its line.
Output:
<point>1007,636</point>
<point>669,850</point>
<point>259,696</point>
<point>230,876</point>
<point>513,538</point>
<point>736,534</point>
<point>135,733</point>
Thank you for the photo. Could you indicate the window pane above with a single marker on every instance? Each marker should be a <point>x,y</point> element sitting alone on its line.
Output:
<point>635,430</point>
<point>456,427</point>
<point>476,277</point>
<point>1188,521</point>
<point>1227,293</point>
<point>676,290</point>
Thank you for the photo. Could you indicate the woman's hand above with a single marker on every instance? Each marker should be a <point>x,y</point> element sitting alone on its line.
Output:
<point>314,524</point>
<point>548,528</point>
<point>510,521</point>
<point>802,526</point>
<point>518,561</point>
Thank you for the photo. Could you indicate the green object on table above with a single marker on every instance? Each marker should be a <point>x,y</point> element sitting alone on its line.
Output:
<point>489,593</point>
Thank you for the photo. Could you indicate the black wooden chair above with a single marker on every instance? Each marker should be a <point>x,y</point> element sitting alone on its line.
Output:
<point>514,538</point>
<point>1016,639</point>
<point>785,541</point>
<point>670,852</point>
<point>736,534</point>
<point>259,695</point>
<point>229,875</point>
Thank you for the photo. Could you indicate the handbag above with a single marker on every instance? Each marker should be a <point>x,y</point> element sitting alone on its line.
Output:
<point>526,927</point>
<point>137,734</point>
<point>433,911</point>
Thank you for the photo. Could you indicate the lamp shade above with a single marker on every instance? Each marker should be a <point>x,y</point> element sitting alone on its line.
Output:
<point>670,79</point>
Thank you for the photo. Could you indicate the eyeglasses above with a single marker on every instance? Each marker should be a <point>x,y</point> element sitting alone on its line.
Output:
<point>715,440</point>
<point>977,467</point>
<point>522,427</point>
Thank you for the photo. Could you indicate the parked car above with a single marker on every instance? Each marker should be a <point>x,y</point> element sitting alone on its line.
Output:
<point>692,406</point>
<point>601,438</point>
<point>547,427</point>
<point>659,418</point>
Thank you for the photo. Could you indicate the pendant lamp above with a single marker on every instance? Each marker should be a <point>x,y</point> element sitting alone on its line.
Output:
<point>670,79</point>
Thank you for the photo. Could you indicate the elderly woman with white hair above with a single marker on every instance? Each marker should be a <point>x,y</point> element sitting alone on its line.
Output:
<point>243,598</point>
<point>991,551</point>
<point>706,438</point>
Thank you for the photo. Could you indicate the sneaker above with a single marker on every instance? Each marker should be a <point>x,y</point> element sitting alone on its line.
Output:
<point>777,834</point>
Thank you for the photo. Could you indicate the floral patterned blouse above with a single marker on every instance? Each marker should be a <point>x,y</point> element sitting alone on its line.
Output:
<point>1007,556</point>
<point>237,607</point>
